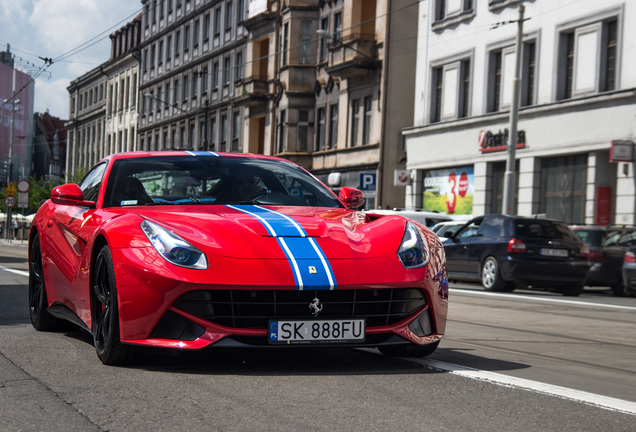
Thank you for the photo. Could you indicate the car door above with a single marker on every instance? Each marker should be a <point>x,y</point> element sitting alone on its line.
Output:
<point>69,232</point>
<point>458,249</point>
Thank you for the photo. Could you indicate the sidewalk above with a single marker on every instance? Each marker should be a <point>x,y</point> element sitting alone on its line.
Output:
<point>14,243</point>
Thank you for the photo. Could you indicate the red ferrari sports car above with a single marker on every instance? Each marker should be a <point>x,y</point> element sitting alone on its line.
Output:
<point>189,250</point>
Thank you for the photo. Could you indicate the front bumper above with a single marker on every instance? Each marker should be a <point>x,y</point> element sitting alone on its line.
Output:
<point>165,306</point>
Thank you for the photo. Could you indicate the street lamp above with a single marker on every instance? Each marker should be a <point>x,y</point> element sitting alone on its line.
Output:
<point>509,175</point>
<point>14,108</point>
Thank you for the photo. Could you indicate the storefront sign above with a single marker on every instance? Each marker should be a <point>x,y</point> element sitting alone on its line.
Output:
<point>622,151</point>
<point>492,142</point>
<point>449,190</point>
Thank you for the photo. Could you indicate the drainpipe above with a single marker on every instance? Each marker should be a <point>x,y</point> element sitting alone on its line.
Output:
<point>382,102</point>
<point>274,131</point>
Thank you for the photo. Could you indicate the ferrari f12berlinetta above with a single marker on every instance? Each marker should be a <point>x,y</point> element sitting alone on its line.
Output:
<point>190,250</point>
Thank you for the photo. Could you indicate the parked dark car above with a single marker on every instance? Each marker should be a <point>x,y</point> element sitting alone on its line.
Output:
<point>506,252</point>
<point>607,249</point>
<point>628,272</point>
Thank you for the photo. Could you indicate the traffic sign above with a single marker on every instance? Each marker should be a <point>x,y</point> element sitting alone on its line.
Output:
<point>401,178</point>
<point>10,190</point>
<point>367,181</point>
<point>23,186</point>
<point>10,201</point>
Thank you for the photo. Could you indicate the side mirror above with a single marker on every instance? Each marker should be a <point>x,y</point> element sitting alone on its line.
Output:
<point>351,197</point>
<point>70,194</point>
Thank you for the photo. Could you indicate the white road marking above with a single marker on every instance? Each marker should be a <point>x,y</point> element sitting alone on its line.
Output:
<point>539,299</point>
<point>18,272</point>
<point>600,401</point>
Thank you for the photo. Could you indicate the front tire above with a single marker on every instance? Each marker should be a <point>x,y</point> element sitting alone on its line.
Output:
<point>105,310</point>
<point>38,302</point>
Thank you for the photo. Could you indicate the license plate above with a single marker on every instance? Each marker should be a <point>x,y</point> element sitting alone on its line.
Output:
<point>554,252</point>
<point>316,331</point>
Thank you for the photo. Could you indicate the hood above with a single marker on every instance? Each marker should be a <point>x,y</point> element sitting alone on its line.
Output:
<point>251,231</point>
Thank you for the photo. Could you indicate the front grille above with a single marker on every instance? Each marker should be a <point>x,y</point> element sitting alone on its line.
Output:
<point>253,309</point>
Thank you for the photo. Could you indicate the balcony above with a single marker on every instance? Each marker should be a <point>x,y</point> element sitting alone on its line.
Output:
<point>253,90</point>
<point>352,55</point>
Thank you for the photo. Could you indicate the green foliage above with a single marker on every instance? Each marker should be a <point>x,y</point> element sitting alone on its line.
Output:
<point>79,175</point>
<point>39,191</point>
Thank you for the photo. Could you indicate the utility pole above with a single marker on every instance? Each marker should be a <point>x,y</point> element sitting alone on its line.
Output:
<point>14,107</point>
<point>509,176</point>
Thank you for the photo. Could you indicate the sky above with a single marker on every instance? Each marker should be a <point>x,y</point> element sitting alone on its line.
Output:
<point>73,33</point>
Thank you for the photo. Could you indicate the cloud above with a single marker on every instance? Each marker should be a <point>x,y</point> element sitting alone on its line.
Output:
<point>78,28</point>
<point>52,96</point>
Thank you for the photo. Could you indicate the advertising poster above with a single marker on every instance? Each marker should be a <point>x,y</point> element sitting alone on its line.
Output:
<point>450,190</point>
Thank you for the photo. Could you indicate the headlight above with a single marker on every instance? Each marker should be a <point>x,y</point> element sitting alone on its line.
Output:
<point>413,251</point>
<point>173,248</point>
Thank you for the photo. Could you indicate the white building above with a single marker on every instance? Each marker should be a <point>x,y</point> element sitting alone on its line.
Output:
<point>577,97</point>
<point>122,92</point>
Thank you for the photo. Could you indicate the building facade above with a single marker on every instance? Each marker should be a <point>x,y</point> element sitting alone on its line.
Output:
<point>16,120</point>
<point>122,92</point>
<point>49,147</point>
<point>577,117</point>
<point>317,83</point>
<point>103,105</point>
<point>192,62</point>
<point>86,124</point>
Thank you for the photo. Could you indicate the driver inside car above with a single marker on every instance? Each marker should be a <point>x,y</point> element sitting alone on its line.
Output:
<point>246,186</point>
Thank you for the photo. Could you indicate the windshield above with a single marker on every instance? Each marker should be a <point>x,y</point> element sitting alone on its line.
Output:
<point>213,180</point>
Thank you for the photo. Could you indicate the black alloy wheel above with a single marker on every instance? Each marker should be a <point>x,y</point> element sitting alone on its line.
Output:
<point>38,302</point>
<point>105,314</point>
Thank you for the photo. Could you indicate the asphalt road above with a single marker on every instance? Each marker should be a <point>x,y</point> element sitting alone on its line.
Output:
<point>527,361</point>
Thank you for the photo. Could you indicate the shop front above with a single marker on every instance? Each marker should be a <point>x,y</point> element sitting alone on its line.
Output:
<point>567,166</point>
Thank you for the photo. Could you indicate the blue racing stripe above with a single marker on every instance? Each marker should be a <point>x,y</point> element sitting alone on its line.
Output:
<point>201,153</point>
<point>278,224</point>
<point>309,264</point>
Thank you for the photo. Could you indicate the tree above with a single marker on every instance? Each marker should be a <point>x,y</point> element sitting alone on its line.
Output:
<point>39,192</point>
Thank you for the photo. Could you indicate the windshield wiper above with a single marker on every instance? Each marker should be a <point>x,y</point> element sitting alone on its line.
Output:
<point>194,200</point>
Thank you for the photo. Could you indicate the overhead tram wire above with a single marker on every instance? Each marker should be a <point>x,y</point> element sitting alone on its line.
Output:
<point>98,38</point>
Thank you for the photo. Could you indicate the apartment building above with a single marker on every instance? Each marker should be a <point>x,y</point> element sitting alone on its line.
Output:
<point>192,63</point>
<point>577,115</point>
<point>322,90</point>
<point>85,127</point>
<point>122,97</point>
<point>103,104</point>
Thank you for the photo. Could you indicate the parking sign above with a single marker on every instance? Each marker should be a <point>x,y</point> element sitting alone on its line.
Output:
<point>367,181</point>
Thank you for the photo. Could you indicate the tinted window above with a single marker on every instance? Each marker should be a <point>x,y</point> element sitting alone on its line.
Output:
<point>628,239</point>
<point>612,238</point>
<point>590,237</point>
<point>541,228</point>
<point>91,184</point>
<point>492,227</point>
<point>212,180</point>
<point>470,230</point>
